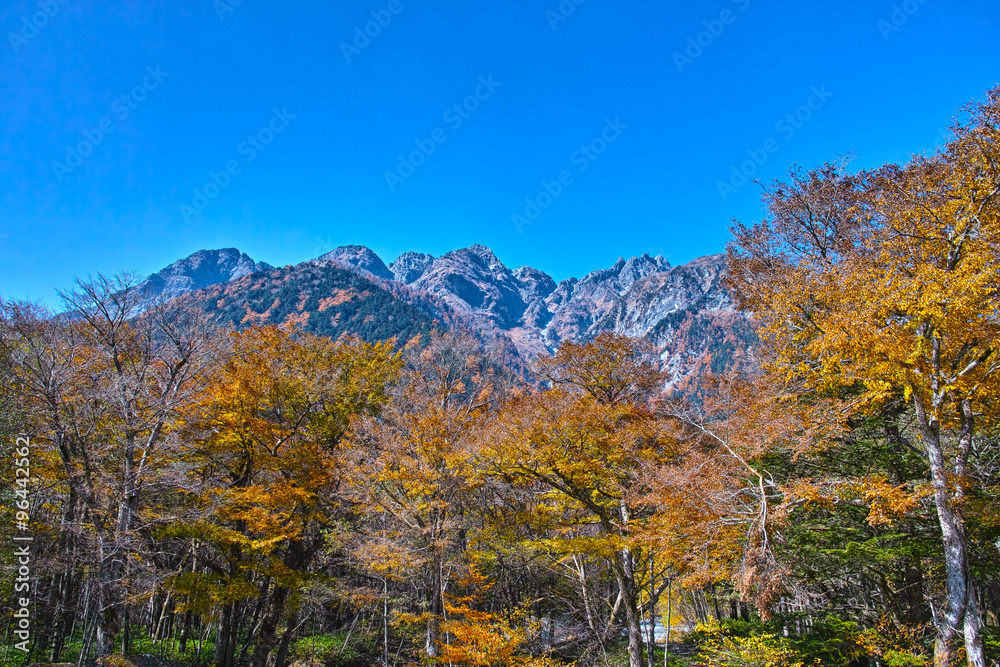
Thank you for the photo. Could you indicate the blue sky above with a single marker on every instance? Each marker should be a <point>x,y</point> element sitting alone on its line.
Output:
<point>617,120</point>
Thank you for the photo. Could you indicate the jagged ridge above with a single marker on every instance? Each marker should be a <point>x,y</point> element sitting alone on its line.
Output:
<point>685,311</point>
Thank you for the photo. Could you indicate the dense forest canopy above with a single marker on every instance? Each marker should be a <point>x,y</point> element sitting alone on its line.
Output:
<point>259,495</point>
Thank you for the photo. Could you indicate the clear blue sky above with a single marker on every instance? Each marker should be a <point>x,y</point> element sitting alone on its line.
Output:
<point>321,182</point>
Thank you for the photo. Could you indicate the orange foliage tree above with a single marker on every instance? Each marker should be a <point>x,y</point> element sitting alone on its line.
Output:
<point>884,286</point>
<point>578,450</point>
<point>415,471</point>
<point>265,473</point>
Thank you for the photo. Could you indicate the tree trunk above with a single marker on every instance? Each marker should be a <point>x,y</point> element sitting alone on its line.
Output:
<point>436,608</point>
<point>385,622</point>
<point>959,589</point>
<point>65,620</point>
<point>974,649</point>
<point>666,641</point>
<point>165,612</point>
<point>281,658</point>
<point>914,591</point>
<point>624,573</point>
<point>186,629</point>
<point>269,628</point>
<point>107,620</point>
<point>651,630</point>
<point>581,571</point>
<point>634,635</point>
<point>252,627</point>
<point>975,653</point>
<point>126,631</point>
<point>224,637</point>
<point>112,563</point>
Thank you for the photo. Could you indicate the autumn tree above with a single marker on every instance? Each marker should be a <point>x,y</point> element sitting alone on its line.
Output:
<point>266,472</point>
<point>581,446</point>
<point>721,500</point>
<point>415,469</point>
<point>104,383</point>
<point>483,638</point>
<point>883,285</point>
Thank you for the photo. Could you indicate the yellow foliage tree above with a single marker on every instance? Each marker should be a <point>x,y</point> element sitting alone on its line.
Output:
<point>415,469</point>
<point>582,448</point>
<point>267,465</point>
<point>886,285</point>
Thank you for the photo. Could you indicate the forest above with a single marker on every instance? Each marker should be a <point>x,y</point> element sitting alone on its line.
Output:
<point>179,490</point>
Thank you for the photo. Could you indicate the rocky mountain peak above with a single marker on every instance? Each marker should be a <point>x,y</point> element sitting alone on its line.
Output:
<point>625,272</point>
<point>652,298</point>
<point>200,270</point>
<point>576,307</point>
<point>535,284</point>
<point>481,255</point>
<point>360,257</point>
<point>636,268</point>
<point>409,266</point>
<point>474,280</point>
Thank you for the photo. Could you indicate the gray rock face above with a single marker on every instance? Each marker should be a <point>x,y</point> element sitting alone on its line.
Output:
<point>689,317</point>
<point>360,257</point>
<point>577,307</point>
<point>409,266</point>
<point>625,272</point>
<point>636,268</point>
<point>535,284</point>
<point>202,269</point>
<point>473,280</point>
<point>652,298</point>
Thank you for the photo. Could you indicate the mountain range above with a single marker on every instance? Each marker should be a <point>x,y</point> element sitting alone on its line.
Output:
<point>685,311</point>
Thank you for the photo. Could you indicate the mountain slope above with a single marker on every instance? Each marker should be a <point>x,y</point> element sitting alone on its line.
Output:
<point>410,266</point>
<point>689,317</point>
<point>651,298</point>
<point>576,306</point>
<point>320,297</point>
<point>202,269</point>
<point>684,311</point>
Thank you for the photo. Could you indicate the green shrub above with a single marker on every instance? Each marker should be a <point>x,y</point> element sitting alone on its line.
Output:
<point>991,639</point>
<point>718,648</point>
<point>333,650</point>
<point>828,641</point>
